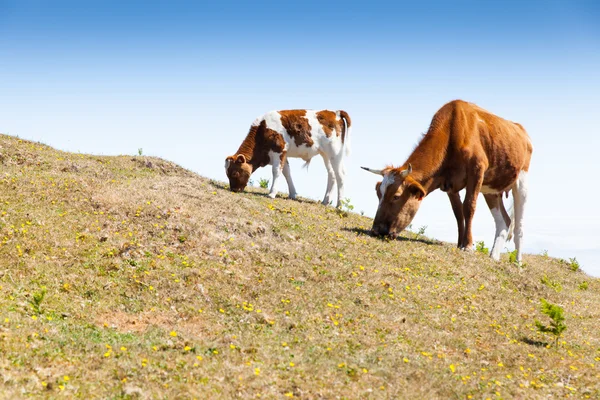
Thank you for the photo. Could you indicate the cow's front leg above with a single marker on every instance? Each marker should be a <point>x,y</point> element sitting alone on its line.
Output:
<point>277,164</point>
<point>457,208</point>
<point>474,182</point>
<point>288,178</point>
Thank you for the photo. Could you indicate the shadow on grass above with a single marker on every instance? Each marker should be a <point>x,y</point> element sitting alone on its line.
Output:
<point>225,186</point>
<point>532,342</point>
<point>219,185</point>
<point>368,232</point>
<point>281,196</point>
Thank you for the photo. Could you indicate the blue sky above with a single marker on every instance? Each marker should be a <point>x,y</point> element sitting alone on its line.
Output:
<point>184,80</point>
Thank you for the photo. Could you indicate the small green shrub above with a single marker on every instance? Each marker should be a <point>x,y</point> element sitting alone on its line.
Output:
<point>550,283</point>
<point>345,207</point>
<point>263,183</point>
<point>512,256</point>
<point>557,325</point>
<point>36,301</point>
<point>480,248</point>
<point>422,230</point>
<point>574,264</point>
<point>140,151</point>
<point>583,285</point>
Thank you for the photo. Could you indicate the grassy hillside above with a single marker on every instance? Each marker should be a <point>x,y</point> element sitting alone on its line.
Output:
<point>130,277</point>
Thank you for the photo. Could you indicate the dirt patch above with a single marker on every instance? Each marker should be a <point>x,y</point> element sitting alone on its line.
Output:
<point>138,323</point>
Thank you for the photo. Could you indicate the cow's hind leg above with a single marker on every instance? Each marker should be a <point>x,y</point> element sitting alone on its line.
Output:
<point>337,162</point>
<point>288,178</point>
<point>520,196</point>
<point>330,180</point>
<point>457,208</point>
<point>276,162</point>
<point>494,202</point>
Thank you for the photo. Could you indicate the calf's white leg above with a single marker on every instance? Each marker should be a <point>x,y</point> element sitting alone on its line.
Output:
<point>277,166</point>
<point>337,162</point>
<point>330,180</point>
<point>288,178</point>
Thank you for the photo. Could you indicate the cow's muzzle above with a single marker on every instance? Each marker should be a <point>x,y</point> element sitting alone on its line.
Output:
<point>383,230</point>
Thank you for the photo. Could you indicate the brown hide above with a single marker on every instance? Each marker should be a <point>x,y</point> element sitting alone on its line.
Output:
<point>297,126</point>
<point>330,123</point>
<point>254,152</point>
<point>465,147</point>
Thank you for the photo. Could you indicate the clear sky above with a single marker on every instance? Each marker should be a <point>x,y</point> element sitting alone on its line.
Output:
<point>184,80</point>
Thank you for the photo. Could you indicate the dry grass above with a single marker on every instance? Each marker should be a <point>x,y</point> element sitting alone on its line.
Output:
<point>162,284</point>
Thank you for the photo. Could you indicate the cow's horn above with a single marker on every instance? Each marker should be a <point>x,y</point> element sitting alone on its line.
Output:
<point>375,171</point>
<point>407,171</point>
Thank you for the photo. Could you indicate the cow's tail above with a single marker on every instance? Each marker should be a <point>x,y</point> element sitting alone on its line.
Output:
<point>346,131</point>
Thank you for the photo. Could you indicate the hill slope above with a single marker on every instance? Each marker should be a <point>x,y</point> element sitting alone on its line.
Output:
<point>161,283</point>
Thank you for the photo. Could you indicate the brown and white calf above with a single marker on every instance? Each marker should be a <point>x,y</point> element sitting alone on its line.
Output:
<point>466,147</point>
<point>279,135</point>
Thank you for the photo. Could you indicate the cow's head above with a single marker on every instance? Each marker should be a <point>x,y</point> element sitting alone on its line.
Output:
<point>399,199</point>
<point>238,171</point>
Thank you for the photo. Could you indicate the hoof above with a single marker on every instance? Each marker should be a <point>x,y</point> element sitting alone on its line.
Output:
<point>272,195</point>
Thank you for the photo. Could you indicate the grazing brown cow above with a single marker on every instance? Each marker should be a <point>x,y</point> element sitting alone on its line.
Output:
<point>278,135</point>
<point>466,147</point>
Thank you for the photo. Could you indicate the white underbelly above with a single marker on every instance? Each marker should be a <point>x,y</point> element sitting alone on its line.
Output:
<point>304,152</point>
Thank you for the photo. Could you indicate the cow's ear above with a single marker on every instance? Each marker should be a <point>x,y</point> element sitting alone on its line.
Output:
<point>240,159</point>
<point>416,190</point>
<point>377,186</point>
<point>228,161</point>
